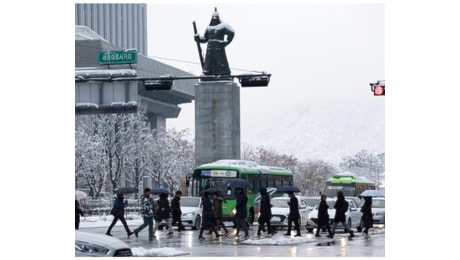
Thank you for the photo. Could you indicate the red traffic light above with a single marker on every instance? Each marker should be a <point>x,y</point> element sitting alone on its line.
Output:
<point>379,90</point>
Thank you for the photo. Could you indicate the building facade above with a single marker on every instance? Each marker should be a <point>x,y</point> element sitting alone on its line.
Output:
<point>123,25</point>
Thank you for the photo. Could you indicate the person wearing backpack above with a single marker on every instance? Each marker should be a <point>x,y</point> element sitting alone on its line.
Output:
<point>341,208</point>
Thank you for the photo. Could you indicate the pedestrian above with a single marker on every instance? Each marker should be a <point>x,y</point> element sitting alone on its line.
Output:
<point>118,212</point>
<point>163,213</point>
<point>209,220</point>
<point>147,213</point>
<point>78,213</point>
<point>323,216</point>
<point>218,35</point>
<point>341,208</point>
<point>294,214</point>
<point>366,218</point>
<point>265,212</point>
<point>176,211</point>
<point>217,201</point>
<point>241,213</point>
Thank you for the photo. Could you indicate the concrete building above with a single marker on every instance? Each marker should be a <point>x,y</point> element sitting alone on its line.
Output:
<point>102,27</point>
<point>123,25</point>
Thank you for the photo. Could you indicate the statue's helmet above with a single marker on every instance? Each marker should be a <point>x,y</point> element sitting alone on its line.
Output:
<point>215,20</point>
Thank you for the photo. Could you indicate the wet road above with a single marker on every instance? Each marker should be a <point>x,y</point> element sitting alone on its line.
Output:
<point>307,245</point>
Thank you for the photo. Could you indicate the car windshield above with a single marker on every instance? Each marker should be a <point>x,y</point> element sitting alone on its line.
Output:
<point>279,203</point>
<point>189,202</point>
<point>312,201</point>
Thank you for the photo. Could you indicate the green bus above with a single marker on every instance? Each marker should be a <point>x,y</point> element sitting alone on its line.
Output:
<point>215,176</point>
<point>351,184</point>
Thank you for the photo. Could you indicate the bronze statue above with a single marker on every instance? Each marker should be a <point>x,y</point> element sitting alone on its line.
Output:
<point>217,35</point>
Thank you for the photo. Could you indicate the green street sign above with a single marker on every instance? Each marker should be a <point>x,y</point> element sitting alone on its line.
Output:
<point>117,57</point>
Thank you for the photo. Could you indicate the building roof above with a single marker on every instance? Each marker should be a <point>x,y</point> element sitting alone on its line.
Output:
<point>88,44</point>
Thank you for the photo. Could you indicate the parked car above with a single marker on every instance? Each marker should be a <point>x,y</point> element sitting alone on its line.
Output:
<point>280,211</point>
<point>353,215</point>
<point>90,244</point>
<point>378,210</point>
<point>191,212</point>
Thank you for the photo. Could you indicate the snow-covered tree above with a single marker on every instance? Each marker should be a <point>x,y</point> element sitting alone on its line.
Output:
<point>172,157</point>
<point>310,176</point>
<point>371,166</point>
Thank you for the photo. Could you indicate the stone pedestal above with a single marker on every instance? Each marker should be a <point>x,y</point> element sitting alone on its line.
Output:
<point>217,121</point>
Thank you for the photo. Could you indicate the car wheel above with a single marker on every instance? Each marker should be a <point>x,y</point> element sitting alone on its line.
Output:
<point>309,230</point>
<point>197,223</point>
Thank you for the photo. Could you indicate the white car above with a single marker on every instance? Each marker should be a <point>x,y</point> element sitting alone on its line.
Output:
<point>352,217</point>
<point>280,211</point>
<point>191,212</point>
<point>90,244</point>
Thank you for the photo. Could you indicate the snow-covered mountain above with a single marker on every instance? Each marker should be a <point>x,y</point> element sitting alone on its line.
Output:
<point>321,131</point>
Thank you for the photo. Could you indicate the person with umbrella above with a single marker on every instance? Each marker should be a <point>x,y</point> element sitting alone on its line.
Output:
<point>147,213</point>
<point>341,208</point>
<point>294,215</point>
<point>163,213</point>
<point>209,220</point>
<point>323,216</point>
<point>241,214</point>
<point>118,212</point>
<point>366,218</point>
<point>265,212</point>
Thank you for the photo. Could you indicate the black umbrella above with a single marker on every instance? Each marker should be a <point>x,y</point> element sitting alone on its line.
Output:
<point>238,183</point>
<point>286,189</point>
<point>156,191</point>
<point>126,190</point>
<point>210,191</point>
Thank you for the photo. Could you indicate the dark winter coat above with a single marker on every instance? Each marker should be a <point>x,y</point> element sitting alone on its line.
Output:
<point>119,207</point>
<point>78,213</point>
<point>208,213</point>
<point>241,203</point>
<point>164,210</point>
<point>175,206</point>
<point>341,208</point>
<point>265,208</point>
<point>78,210</point>
<point>323,215</point>
<point>217,207</point>
<point>293,208</point>
<point>366,218</point>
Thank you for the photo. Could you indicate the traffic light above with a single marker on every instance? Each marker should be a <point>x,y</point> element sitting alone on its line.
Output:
<point>159,84</point>
<point>255,81</point>
<point>378,88</point>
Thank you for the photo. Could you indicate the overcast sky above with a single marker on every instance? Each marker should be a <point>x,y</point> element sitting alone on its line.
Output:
<point>319,55</point>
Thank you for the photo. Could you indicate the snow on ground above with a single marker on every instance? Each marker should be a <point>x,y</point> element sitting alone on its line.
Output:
<point>278,239</point>
<point>158,252</point>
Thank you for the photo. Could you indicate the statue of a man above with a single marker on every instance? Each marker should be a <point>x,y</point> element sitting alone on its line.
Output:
<point>217,35</point>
